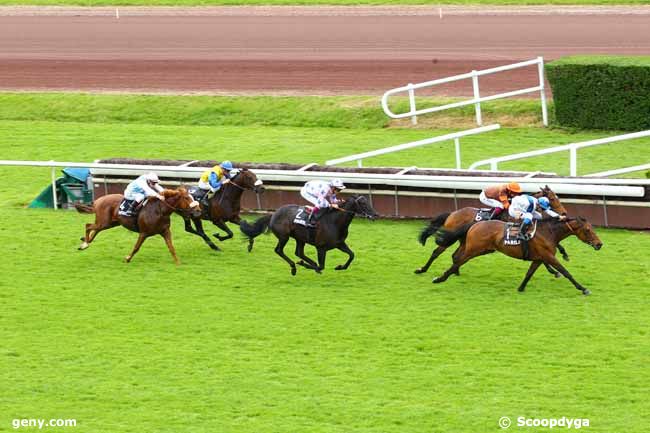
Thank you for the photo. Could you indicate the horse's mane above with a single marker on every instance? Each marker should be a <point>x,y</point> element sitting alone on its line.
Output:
<point>167,193</point>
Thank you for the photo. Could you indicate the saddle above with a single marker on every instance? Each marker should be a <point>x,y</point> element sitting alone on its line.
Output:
<point>511,235</point>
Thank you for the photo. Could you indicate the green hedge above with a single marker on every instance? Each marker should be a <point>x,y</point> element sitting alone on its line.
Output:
<point>601,92</point>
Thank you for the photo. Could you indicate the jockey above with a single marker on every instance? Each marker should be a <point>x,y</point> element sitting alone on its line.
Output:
<point>143,187</point>
<point>212,180</point>
<point>322,194</point>
<point>497,196</point>
<point>523,208</point>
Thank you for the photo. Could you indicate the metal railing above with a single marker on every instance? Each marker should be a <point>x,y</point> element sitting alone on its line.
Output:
<point>476,100</point>
<point>453,136</point>
<point>572,148</point>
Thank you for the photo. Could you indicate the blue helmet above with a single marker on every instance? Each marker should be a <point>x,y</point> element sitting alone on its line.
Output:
<point>226,165</point>
<point>544,203</point>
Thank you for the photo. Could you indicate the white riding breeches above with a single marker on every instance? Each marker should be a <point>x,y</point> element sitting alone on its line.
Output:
<point>489,201</point>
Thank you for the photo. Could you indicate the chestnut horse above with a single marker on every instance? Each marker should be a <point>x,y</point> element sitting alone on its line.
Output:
<point>486,237</point>
<point>224,207</point>
<point>153,218</point>
<point>455,220</point>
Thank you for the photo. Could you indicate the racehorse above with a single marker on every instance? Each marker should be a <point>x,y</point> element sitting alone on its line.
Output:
<point>153,218</point>
<point>224,206</point>
<point>467,215</point>
<point>330,233</point>
<point>488,236</point>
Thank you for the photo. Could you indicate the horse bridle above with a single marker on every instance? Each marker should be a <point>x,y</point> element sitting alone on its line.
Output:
<point>356,200</point>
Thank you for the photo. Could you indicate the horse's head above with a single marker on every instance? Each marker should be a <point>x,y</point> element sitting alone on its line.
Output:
<point>556,205</point>
<point>360,205</point>
<point>585,232</point>
<point>246,179</point>
<point>182,202</point>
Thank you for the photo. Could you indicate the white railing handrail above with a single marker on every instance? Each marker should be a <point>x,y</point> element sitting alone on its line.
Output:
<point>476,100</point>
<point>620,171</point>
<point>446,137</point>
<point>572,147</point>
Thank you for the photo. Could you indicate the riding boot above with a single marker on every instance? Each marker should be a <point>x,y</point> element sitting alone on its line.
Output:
<point>495,213</point>
<point>313,217</point>
<point>523,229</point>
<point>135,207</point>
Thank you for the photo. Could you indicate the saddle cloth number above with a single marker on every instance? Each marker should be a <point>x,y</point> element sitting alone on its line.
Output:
<point>301,217</point>
<point>483,215</point>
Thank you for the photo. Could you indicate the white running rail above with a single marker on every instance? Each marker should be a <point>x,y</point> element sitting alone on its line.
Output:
<point>572,148</point>
<point>620,171</point>
<point>453,136</point>
<point>476,101</point>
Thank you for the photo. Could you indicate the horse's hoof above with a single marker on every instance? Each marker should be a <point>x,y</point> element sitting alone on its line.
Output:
<point>215,248</point>
<point>293,271</point>
<point>83,246</point>
<point>437,280</point>
<point>566,258</point>
<point>418,271</point>
<point>558,275</point>
<point>82,238</point>
<point>127,259</point>
<point>318,271</point>
<point>339,268</point>
<point>586,292</point>
<point>521,289</point>
<point>250,247</point>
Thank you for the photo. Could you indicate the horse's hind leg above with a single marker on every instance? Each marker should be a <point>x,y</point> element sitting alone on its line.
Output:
<point>137,246</point>
<point>531,270</point>
<point>460,258</point>
<point>279,250</point>
<point>434,255</point>
<point>305,261</point>
<point>322,253</point>
<point>167,235</point>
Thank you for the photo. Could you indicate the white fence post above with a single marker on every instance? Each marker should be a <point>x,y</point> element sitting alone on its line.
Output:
<point>573,161</point>
<point>414,119</point>
<point>55,201</point>
<point>457,145</point>
<point>359,163</point>
<point>477,97</point>
<point>542,95</point>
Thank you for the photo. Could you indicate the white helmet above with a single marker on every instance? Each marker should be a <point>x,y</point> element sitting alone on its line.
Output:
<point>337,183</point>
<point>152,177</point>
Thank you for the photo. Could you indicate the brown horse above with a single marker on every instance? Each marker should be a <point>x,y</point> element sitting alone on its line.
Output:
<point>224,207</point>
<point>460,218</point>
<point>153,219</point>
<point>487,237</point>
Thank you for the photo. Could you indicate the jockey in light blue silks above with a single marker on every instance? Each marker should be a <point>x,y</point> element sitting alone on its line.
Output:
<point>523,208</point>
<point>143,187</point>
<point>322,194</point>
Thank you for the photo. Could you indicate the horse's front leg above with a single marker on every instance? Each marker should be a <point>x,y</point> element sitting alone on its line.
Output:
<point>137,246</point>
<point>322,252</point>
<point>222,225</point>
<point>562,251</point>
<point>305,261</point>
<point>557,265</point>
<point>199,231</point>
<point>552,271</point>
<point>531,270</point>
<point>167,235</point>
<point>346,249</point>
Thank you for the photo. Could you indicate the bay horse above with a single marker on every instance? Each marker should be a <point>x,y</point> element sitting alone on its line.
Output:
<point>153,218</point>
<point>488,236</point>
<point>224,206</point>
<point>457,219</point>
<point>330,233</point>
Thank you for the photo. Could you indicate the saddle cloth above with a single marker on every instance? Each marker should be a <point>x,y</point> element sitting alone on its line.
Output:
<point>483,214</point>
<point>125,208</point>
<point>303,215</point>
<point>511,233</point>
<point>196,192</point>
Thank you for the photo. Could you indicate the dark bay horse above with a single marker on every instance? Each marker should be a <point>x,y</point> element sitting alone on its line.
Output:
<point>331,232</point>
<point>457,219</point>
<point>486,237</point>
<point>224,206</point>
<point>153,218</point>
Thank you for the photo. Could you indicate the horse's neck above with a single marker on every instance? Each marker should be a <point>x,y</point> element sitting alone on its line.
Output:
<point>230,194</point>
<point>560,231</point>
<point>166,208</point>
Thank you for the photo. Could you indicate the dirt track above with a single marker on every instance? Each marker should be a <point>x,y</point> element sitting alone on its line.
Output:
<point>294,50</point>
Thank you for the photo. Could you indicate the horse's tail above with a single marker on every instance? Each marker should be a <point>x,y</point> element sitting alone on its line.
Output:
<point>445,238</point>
<point>258,227</point>
<point>84,208</point>
<point>433,227</point>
